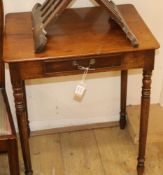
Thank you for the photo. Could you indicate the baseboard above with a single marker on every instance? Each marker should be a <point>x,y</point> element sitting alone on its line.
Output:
<point>75,128</point>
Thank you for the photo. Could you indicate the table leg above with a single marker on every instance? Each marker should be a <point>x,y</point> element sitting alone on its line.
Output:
<point>20,106</point>
<point>145,104</point>
<point>13,157</point>
<point>123,113</point>
<point>25,100</point>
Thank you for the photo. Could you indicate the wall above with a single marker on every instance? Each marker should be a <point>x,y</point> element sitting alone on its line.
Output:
<point>56,107</point>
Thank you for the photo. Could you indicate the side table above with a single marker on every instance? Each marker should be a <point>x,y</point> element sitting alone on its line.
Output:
<point>73,39</point>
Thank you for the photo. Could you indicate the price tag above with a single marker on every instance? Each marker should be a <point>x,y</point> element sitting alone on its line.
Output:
<point>81,87</point>
<point>80,90</point>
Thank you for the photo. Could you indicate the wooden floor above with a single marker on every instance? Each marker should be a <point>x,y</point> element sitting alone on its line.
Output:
<point>155,127</point>
<point>108,151</point>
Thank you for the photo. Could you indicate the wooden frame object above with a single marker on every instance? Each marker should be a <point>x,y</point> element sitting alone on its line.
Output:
<point>8,139</point>
<point>49,11</point>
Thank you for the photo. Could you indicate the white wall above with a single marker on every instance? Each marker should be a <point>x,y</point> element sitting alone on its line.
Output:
<point>55,106</point>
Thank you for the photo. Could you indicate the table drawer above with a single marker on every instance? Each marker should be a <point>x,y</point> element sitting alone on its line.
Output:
<point>53,66</point>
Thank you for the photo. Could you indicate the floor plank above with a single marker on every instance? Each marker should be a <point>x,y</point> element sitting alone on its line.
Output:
<point>117,152</point>
<point>154,159</point>
<point>4,169</point>
<point>108,151</point>
<point>155,129</point>
<point>80,154</point>
<point>46,155</point>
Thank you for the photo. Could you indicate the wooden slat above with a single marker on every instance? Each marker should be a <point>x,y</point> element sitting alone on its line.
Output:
<point>46,155</point>
<point>1,44</point>
<point>5,128</point>
<point>117,152</point>
<point>4,167</point>
<point>80,154</point>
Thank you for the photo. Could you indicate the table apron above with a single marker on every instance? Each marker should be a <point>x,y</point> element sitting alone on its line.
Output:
<point>62,67</point>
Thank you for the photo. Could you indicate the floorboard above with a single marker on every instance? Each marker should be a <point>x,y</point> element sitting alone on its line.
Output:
<point>108,151</point>
<point>80,154</point>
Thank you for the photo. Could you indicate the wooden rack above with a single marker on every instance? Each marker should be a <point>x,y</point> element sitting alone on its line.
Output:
<point>52,9</point>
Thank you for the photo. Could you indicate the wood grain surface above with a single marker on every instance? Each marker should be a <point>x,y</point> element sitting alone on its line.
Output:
<point>101,152</point>
<point>75,34</point>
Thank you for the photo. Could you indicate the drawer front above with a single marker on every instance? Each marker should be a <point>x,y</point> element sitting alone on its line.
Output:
<point>101,62</point>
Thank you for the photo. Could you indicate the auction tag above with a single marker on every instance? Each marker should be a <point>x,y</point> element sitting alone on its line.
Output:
<point>80,89</point>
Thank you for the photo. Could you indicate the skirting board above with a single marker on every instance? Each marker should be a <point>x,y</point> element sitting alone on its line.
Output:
<point>75,128</point>
<point>155,129</point>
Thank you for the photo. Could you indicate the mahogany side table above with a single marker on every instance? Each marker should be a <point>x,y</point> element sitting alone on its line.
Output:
<point>79,35</point>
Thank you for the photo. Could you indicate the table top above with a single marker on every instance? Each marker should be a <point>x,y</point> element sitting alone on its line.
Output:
<point>76,33</point>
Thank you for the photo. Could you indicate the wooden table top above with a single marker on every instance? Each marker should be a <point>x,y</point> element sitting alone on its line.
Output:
<point>77,33</point>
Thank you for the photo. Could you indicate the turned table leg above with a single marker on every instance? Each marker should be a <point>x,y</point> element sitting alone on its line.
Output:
<point>20,105</point>
<point>13,157</point>
<point>145,104</point>
<point>123,113</point>
<point>25,100</point>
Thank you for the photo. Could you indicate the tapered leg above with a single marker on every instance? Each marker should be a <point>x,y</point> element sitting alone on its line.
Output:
<point>13,157</point>
<point>145,104</point>
<point>25,100</point>
<point>123,113</point>
<point>20,106</point>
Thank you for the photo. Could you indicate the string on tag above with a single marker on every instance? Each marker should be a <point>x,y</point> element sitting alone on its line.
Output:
<point>81,87</point>
<point>85,74</point>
